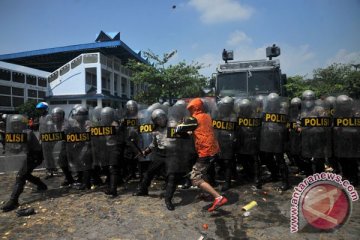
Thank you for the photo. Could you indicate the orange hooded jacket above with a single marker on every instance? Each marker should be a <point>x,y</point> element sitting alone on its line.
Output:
<point>206,144</point>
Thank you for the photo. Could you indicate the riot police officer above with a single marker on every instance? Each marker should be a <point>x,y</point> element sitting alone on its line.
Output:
<point>294,148</point>
<point>247,138</point>
<point>273,134</point>
<point>79,146</point>
<point>49,160</point>
<point>130,122</point>
<point>59,125</point>
<point>224,119</point>
<point>112,145</point>
<point>315,133</point>
<point>347,137</point>
<point>23,143</point>
<point>159,148</point>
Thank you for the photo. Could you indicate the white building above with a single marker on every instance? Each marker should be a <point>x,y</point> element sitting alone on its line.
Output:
<point>91,74</point>
<point>19,84</point>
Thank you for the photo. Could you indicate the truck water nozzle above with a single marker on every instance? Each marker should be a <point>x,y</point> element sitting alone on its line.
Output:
<point>272,51</point>
<point>227,55</point>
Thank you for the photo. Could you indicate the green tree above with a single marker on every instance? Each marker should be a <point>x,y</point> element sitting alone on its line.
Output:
<point>333,80</point>
<point>295,86</point>
<point>166,81</point>
<point>352,84</point>
<point>29,109</point>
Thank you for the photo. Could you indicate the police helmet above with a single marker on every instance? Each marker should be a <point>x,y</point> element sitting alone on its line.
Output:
<point>308,95</point>
<point>295,101</point>
<point>131,106</point>
<point>158,116</point>
<point>80,114</point>
<point>58,114</point>
<point>107,116</point>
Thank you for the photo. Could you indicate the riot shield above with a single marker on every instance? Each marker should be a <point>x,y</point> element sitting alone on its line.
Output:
<point>45,123</point>
<point>347,129</point>
<point>53,140</point>
<point>145,129</point>
<point>248,124</point>
<point>224,121</point>
<point>131,124</point>
<point>294,135</point>
<point>180,148</point>
<point>22,146</point>
<point>108,136</point>
<point>315,130</point>
<point>273,130</point>
<point>78,145</point>
<point>98,148</point>
<point>15,136</point>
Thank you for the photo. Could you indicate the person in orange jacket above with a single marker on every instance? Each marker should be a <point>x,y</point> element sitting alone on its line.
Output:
<point>207,148</point>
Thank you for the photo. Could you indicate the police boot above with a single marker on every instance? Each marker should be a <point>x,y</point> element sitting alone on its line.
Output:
<point>228,173</point>
<point>68,177</point>
<point>142,189</point>
<point>86,177</point>
<point>169,205</point>
<point>112,190</point>
<point>170,190</point>
<point>95,176</point>
<point>41,186</point>
<point>257,174</point>
<point>141,192</point>
<point>13,203</point>
<point>187,183</point>
<point>10,205</point>
<point>285,178</point>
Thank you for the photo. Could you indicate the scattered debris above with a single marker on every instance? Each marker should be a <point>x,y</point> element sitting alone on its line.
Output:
<point>205,226</point>
<point>249,206</point>
<point>201,238</point>
<point>246,214</point>
<point>25,212</point>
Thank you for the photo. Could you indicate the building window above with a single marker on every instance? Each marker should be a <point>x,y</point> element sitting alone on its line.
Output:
<point>42,82</point>
<point>18,77</point>
<point>91,103</point>
<point>123,85</point>
<point>30,79</point>
<point>76,62</point>
<point>132,89</point>
<point>5,90</point>
<point>53,76</point>
<point>74,101</point>
<point>17,91</point>
<point>5,101</point>
<point>90,58</point>
<point>5,74</point>
<point>116,66</point>
<point>55,102</point>
<point>32,93</point>
<point>17,101</point>
<point>41,94</point>
<point>90,80</point>
<point>64,69</point>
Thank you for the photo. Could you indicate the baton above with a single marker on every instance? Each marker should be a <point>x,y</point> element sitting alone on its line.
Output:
<point>137,147</point>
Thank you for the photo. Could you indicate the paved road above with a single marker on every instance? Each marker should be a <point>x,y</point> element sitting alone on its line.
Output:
<point>65,213</point>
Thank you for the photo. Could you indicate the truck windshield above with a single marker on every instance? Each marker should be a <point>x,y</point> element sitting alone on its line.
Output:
<point>253,82</point>
<point>264,82</point>
<point>231,84</point>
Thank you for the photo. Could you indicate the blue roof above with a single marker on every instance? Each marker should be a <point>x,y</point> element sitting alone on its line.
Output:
<point>51,59</point>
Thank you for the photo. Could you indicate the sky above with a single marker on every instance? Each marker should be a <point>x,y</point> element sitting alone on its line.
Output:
<point>311,33</point>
